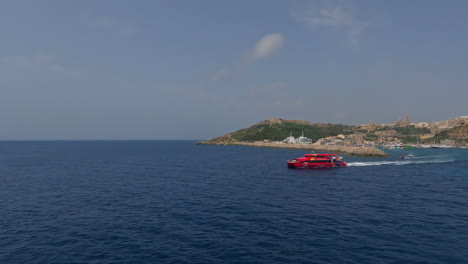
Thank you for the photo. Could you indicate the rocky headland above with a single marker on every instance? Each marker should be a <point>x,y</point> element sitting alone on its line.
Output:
<point>263,134</point>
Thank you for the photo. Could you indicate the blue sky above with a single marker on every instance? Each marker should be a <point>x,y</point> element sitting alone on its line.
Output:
<point>199,69</point>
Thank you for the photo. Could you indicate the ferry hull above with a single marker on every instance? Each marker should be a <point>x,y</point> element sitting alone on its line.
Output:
<point>305,165</point>
<point>316,161</point>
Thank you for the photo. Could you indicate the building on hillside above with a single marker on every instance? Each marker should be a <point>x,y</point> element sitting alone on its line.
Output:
<point>401,123</point>
<point>343,140</point>
<point>421,124</point>
<point>386,133</point>
<point>446,124</point>
<point>426,136</point>
<point>448,142</point>
<point>356,137</point>
<point>370,127</point>
<point>462,119</point>
<point>290,139</point>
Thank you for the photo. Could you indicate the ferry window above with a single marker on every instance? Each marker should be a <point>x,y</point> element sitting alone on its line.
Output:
<point>319,161</point>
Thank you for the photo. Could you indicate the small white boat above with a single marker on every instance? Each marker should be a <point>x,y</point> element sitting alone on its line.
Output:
<point>409,156</point>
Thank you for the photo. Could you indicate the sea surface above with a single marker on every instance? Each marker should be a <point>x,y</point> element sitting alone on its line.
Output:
<point>177,202</point>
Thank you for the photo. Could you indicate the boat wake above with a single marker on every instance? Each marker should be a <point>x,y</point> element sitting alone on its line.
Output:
<point>420,160</point>
<point>428,157</point>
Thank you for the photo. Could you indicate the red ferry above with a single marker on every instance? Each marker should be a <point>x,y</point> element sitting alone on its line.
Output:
<point>316,161</point>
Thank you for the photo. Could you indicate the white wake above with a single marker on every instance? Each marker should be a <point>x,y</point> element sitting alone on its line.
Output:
<point>419,160</point>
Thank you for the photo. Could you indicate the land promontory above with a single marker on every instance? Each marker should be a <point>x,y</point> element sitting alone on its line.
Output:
<point>272,132</point>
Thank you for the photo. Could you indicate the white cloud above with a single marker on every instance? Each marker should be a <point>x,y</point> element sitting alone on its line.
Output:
<point>334,17</point>
<point>41,61</point>
<point>268,45</point>
<point>263,48</point>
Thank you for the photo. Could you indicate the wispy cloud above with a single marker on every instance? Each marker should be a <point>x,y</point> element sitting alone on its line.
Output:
<point>332,16</point>
<point>266,46</point>
<point>39,61</point>
<point>114,24</point>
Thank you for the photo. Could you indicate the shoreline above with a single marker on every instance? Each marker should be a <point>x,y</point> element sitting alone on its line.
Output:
<point>350,151</point>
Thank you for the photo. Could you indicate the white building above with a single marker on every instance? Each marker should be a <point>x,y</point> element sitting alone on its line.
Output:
<point>299,140</point>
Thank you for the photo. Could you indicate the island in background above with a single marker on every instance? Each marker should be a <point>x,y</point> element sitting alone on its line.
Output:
<point>361,140</point>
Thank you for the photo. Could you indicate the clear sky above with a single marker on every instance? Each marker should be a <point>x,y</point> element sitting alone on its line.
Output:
<point>180,69</point>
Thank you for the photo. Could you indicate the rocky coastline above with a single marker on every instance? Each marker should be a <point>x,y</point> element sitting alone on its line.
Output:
<point>344,150</point>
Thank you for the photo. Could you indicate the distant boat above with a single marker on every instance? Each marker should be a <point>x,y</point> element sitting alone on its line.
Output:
<point>440,146</point>
<point>409,156</point>
<point>398,146</point>
<point>424,146</point>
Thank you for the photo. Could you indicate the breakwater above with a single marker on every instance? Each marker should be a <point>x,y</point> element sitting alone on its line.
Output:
<point>345,150</point>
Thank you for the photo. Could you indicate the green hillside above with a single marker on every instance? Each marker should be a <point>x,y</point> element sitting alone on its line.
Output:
<point>279,129</point>
<point>458,133</point>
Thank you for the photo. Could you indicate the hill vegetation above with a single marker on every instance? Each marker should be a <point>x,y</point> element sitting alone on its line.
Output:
<point>279,129</point>
<point>458,133</point>
<point>412,130</point>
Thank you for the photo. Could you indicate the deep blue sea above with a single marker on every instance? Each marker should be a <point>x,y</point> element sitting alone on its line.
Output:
<point>177,202</point>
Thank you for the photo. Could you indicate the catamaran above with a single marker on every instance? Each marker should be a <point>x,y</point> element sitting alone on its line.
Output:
<point>316,161</point>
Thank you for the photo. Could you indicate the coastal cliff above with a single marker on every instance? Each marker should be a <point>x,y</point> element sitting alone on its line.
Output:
<point>278,129</point>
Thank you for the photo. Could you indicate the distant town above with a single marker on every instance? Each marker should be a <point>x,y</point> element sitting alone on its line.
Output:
<point>361,140</point>
<point>402,134</point>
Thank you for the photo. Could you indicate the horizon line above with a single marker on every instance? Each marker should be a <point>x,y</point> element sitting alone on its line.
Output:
<point>3,140</point>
